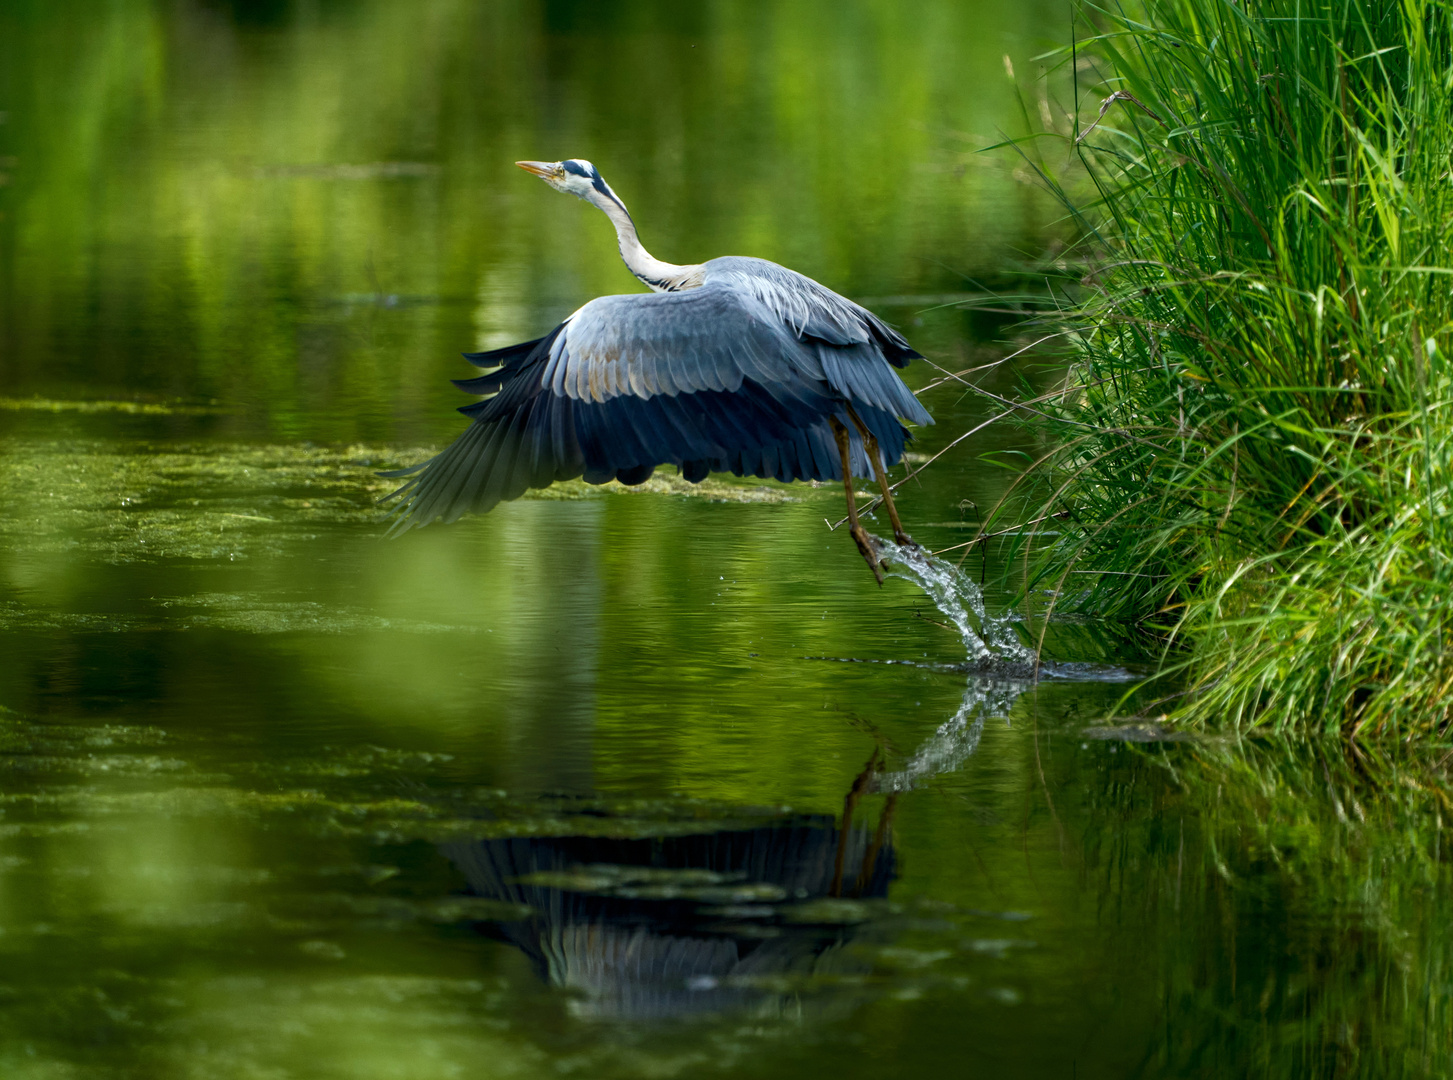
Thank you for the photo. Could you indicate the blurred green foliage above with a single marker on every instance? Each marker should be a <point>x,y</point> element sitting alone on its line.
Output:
<point>309,215</point>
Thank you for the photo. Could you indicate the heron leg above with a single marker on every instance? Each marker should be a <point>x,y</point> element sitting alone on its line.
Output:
<point>850,803</point>
<point>870,443</point>
<point>870,860</point>
<point>858,533</point>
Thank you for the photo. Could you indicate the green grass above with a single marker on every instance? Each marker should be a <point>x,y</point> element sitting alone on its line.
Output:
<point>1253,446</point>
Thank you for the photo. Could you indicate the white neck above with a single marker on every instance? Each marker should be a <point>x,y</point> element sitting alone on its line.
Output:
<point>660,276</point>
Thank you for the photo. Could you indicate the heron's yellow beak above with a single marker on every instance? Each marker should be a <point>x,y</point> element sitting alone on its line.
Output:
<point>541,169</point>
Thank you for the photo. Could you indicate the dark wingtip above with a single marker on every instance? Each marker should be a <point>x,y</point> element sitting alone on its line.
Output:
<point>483,384</point>
<point>635,474</point>
<point>509,356</point>
<point>900,355</point>
<point>394,474</point>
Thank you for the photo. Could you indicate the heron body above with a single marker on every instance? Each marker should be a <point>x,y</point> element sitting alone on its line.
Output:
<point>733,365</point>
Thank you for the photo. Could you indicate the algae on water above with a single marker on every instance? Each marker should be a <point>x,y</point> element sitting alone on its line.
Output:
<point>126,502</point>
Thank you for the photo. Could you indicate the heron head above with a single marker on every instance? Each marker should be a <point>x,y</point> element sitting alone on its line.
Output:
<point>574,176</point>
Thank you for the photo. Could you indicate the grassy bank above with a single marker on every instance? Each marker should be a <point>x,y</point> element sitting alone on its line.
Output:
<point>1254,444</point>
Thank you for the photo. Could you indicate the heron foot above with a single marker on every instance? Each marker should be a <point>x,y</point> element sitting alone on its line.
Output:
<point>902,539</point>
<point>869,550</point>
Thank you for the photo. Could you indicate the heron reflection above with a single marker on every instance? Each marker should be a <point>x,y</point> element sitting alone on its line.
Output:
<point>674,925</point>
<point>739,919</point>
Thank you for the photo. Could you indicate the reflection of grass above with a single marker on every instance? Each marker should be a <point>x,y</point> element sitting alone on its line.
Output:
<point>1258,448</point>
<point>1313,877</point>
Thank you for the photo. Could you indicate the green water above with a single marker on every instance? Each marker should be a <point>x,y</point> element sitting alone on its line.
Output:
<point>568,789</point>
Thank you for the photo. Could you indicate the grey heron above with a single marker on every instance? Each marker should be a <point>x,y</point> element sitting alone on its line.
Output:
<point>732,365</point>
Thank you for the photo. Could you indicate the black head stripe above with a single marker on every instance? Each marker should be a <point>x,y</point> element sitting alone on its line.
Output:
<point>573,166</point>
<point>600,186</point>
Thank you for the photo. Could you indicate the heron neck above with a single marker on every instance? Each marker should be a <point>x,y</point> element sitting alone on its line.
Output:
<point>660,276</point>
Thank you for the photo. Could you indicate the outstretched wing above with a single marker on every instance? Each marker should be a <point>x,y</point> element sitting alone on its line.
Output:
<point>708,379</point>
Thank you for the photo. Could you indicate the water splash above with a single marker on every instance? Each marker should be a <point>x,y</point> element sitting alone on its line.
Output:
<point>1000,667</point>
<point>989,640</point>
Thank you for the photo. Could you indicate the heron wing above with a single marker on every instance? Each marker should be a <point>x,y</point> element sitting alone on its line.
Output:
<point>724,377</point>
<point>752,319</point>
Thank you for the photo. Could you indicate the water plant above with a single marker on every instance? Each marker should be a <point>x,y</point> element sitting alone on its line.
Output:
<point>1252,449</point>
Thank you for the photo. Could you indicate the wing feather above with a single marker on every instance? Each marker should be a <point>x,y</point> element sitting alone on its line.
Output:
<point>644,344</point>
<point>542,463</point>
<point>741,374</point>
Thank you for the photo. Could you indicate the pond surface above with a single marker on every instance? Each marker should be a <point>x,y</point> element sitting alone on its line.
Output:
<point>607,783</point>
